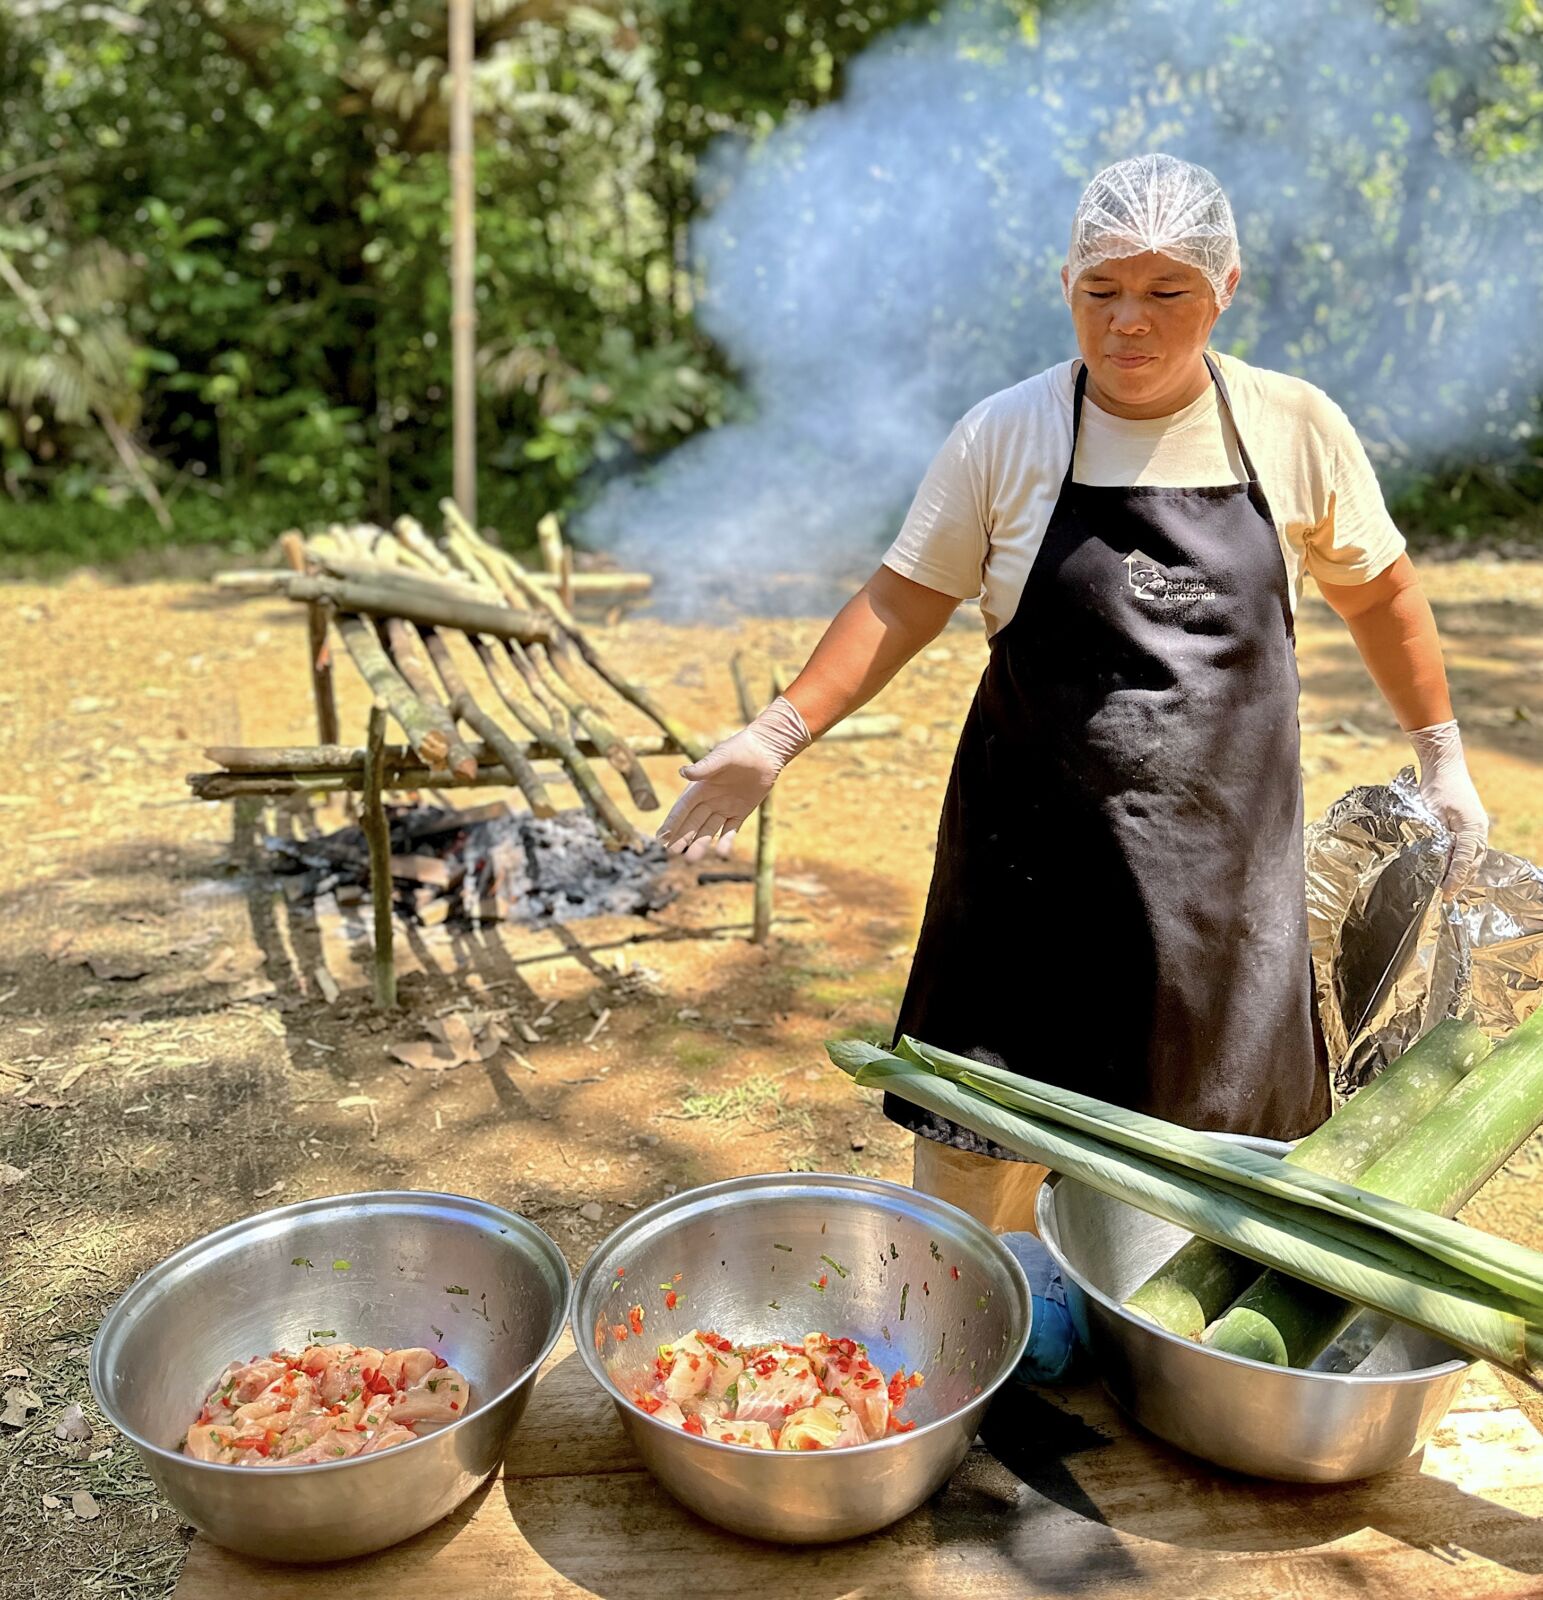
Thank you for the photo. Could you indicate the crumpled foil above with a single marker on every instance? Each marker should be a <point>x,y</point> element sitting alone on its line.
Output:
<point>1391,957</point>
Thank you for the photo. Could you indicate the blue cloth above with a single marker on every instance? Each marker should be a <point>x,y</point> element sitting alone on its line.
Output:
<point>1052,1350</point>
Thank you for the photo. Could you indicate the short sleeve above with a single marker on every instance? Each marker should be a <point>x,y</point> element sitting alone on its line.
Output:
<point>943,541</point>
<point>1357,540</point>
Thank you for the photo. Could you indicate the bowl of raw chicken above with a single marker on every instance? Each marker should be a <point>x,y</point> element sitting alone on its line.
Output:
<point>801,1358</point>
<point>331,1377</point>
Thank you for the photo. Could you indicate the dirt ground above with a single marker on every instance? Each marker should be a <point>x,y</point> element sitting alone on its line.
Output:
<point>168,1064</point>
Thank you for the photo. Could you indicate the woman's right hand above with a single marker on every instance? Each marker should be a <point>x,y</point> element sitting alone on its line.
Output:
<point>731,780</point>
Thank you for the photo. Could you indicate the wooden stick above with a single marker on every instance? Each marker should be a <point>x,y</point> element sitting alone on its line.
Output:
<point>463,706</point>
<point>765,823</point>
<point>335,757</point>
<point>320,654</point>
<point>500,561</point>
<point>414,584</point>
<point>428,602</point>
<point>600,731</point>
<point>378,834</point>
<point>411,664</point>
<point>423,733</point>
<point>591,791</point>
<point>550,540</point>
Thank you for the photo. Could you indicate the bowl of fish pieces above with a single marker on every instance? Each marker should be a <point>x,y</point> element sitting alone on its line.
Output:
<point>331,1377</point>
<point>801,1358</point>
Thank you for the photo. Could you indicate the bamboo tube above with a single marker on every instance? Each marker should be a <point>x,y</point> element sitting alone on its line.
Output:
<point>463,706</point>
<point>1450,1155</point>
<point>765,823</point>
<point>320,655</point>
<point>423,733</point>
<point>377,833</point>
<point>550,541</point>
<point>410,662</point>
<point>1202,1279</point>
<point>590,790</point>
<point>431,603</point>
<point>280,759</point>
<point>587,718</point>
<point>502,561</point>
<point>414,584</point>
<point>412,534</point>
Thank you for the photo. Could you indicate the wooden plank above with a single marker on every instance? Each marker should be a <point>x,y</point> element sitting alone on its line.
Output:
<point>1080,1504</point>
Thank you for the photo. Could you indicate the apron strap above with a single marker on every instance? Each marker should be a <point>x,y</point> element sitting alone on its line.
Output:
<point>1080,391</point>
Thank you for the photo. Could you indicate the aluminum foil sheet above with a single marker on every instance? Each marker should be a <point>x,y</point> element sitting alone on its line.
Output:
<point>1391,956</point>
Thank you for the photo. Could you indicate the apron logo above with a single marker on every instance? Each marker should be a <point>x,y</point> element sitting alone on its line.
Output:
<point>1150,582</point>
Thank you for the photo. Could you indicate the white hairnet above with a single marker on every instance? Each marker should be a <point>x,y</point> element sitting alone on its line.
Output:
<point>1156,203</point>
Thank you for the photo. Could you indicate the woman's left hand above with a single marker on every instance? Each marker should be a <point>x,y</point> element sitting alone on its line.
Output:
<point>1447,788</point>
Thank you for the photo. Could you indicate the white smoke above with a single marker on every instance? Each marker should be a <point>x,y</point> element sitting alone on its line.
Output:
<point>875,268</point>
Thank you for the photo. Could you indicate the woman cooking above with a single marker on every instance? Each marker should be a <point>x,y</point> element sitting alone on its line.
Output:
<point>1122,833</point>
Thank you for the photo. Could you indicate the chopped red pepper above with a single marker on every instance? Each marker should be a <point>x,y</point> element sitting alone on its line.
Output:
<point>917,1380</point>
<point>439,1361</point>
<point>897,1390</point>
<point>824,1279</point>
<point>455,1405</point>
<point>635,1319</point>
<point>671,1300</point>
<point>955,1273</point>
<point>619,1333</point>
<point>693,1425</point>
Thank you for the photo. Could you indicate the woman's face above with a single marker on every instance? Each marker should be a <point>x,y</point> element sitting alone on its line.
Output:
<point>1142,324</point>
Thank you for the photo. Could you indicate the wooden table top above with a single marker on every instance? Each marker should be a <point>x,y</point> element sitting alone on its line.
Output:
<point>1077,1502</point>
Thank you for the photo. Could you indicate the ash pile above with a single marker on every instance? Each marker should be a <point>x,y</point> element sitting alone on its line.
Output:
<point>485,864</point>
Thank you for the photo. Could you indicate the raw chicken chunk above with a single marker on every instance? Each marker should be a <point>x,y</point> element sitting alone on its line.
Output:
<point>828,1424</point>
<point>774,1386</point>
<point>440,1397</point>
<point>755,1434</point>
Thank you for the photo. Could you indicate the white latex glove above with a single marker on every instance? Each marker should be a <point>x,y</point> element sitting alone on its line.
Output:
<point>731,780</point>
<point>1448,790</point>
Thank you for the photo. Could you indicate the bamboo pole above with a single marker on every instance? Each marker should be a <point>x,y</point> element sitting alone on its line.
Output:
<point>432,602</point>
<point>320,653</point>
<point>410,662</point>
<point>378,834</point>
<point>463,253</point>
<point>463,706</point>
<point>414,583</point>
<point>413,536</point>
<point>387,684</point>
<point>765,823</point>
<point>336,757</point>
<point>504,564</point>
<point>591,791</point>
<point>606,741</point>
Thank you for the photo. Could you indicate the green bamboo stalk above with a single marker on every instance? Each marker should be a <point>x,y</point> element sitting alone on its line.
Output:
<point>1201,1280</point>
<point>501,562</point>
<point>1447,1158</point>
<point>423,733</point>
<point>590,790</point>
<point>409,660</point>
<point>537,796</point>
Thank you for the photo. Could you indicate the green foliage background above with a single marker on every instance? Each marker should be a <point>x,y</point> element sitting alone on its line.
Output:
<point>224,240</point>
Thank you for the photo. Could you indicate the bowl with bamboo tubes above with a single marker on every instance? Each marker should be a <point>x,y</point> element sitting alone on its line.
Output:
<point>1370,1399</point>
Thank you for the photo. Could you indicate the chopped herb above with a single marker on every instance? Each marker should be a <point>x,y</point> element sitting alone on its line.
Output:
<point>322,1333</point>
<point>787,1247</point>
<point>835,1266</point>
<point>731,1397</point>
<point>942,1345</point>
<point>776,1305</point>
<point>903,1293</point>
<point>885,1331</point>
<point>438,1333</point>
<point>824,1226</point>
<point>433,1385</point>
<point>894,1254</point>
<point>300,1261</point>
<point>980,1305</point>
<point>932,1245</point>
<point>225,1392</point>
<point>455,1388</point>
<point>340,1451</point>
<point>372,1419</point>
<point>455,1288</point>
<point>340,1266</point>
<point>820,1282</point>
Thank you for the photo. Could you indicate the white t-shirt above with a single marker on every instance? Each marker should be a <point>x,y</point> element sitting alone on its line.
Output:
<point>979,517</point>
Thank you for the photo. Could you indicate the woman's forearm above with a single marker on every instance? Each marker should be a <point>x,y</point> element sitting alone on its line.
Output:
<point>1395,632</point>
<point>878,630</point>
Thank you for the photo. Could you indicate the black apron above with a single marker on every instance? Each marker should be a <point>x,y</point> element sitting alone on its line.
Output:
<point>1118,904</point>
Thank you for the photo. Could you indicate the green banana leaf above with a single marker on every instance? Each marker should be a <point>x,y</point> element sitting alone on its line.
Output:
<point>1361,1258</point>
<point>1511,1268</point>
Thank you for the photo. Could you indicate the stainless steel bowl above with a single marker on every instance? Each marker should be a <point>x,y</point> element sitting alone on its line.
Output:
<point>267,1283</point>
<point>1323,1425</point>
<point>751,1254</point>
